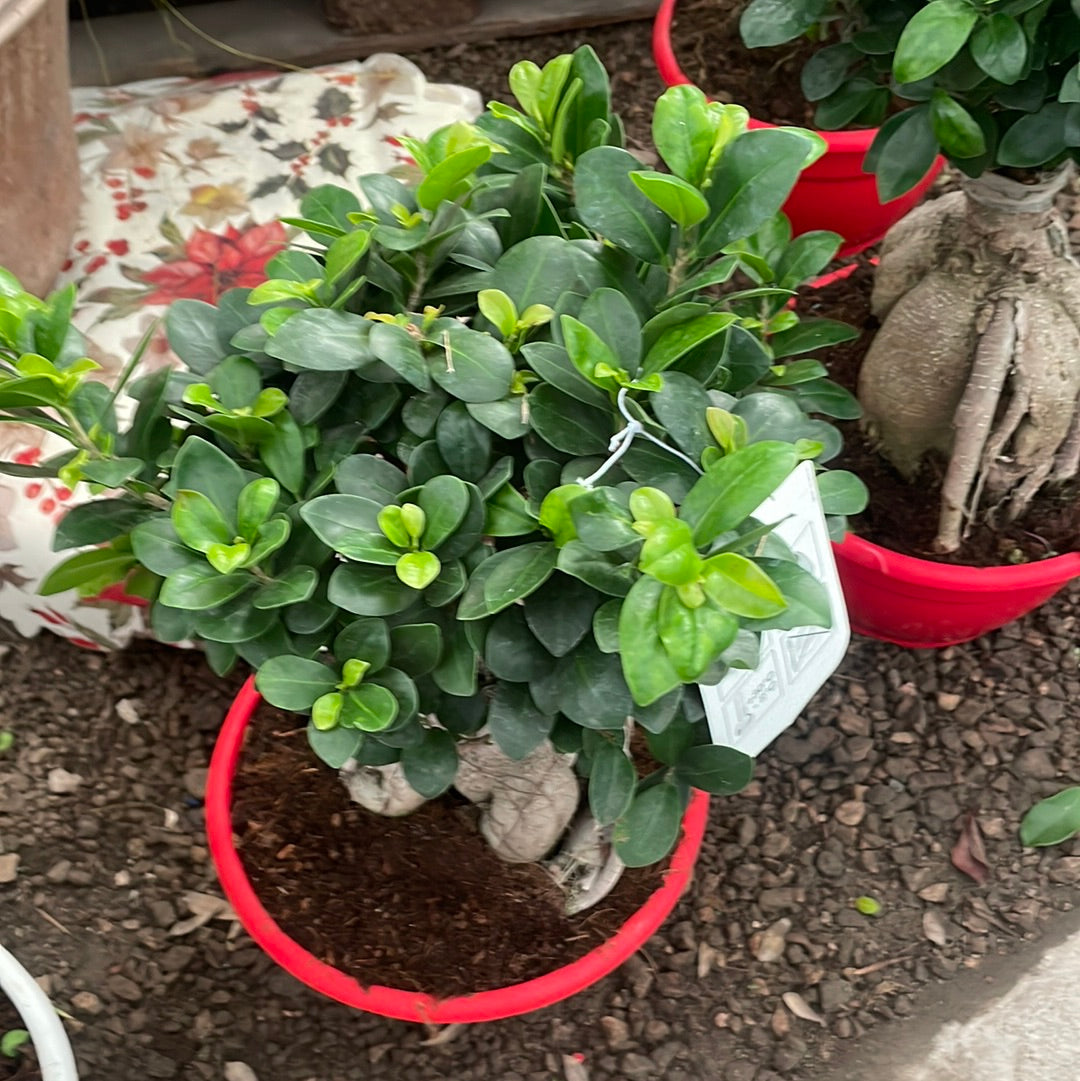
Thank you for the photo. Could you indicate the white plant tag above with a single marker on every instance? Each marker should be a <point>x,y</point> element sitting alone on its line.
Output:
<point>749,709</point>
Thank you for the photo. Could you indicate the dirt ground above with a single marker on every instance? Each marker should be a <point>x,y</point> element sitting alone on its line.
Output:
<point>767,970</point>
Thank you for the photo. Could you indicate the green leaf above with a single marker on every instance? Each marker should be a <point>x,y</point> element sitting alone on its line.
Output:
<point>104,565</point>
<point>284,453</point>
<point>445,501</point>
<point>842,492</point>
<point>722,771</point>
<point>602,521</point>
<point>371,477</point>
<point>416,647</point>
<point>740,586</point>
<point>807,601</point>
<point>605,573</point>
<point>200,587</point>
<point>539,269</point>
<point>1052,820</point>
<point>508,514</point>
<point>463,442</point>
<point>734,487</point>
<point>693,638</point>
<point>197,522</point>
<point>255,505</point>
<point>113,471</point>
<point>13,1040</point>
<point>683,131</point>
<point>191,327</point>
<point>336,519</point>
<point>1037,138</point>
<point>749,185</point>
<point>931,38</point>
<point>159,549</point>
<point>418,569</point>
<point>560,616</point>
<point>605,626</point>
<point>954,127</point>
<point>999,46</point>
<point>226,558</point>
<point>610,203</point>
<point>293,683</point>
<point>201,467</point>
<point>612,781</point>
<point>367,590</point>
<point>511,652</point>
<point>649,829</point>
<point>649,672</point>
<point>675,343</point>
<point>472,366</point>
<point>369,707</point>
<point>591,688</point>
<point>366,640</point>
<point>99,521</point>
<point>680,406</point>
<point>431,765</point>
<point>679,200</point>
<point>323,340</point>
<point>515,723</point>
<point>330,206</point>
<point>335,746</point>
<point>297,584</point>
<point>449,179</point>
<point>776,22</point>
<point>553,364</point>
<point>506,577</point>
<point>568,424</point>
<point>400,351</point>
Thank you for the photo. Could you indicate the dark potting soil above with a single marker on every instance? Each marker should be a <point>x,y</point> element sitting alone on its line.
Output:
<point>23,1067</point>
<point>420,902</point>
<point>902,515</point>
<point>706,42</point>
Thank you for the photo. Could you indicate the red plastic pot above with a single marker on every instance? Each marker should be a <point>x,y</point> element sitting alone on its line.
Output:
<point>409,1005</point>
<point>921,604</point>
<point>834,193</point>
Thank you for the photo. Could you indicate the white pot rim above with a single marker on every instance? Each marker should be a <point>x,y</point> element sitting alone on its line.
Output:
<point>40,1019</point>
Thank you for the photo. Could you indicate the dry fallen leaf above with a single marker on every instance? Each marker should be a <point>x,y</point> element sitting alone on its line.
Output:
<point>203,907</point>
<point>934,928</point>
<point>936,892</point>
<point>969,854</point>
<point>801,1008</point>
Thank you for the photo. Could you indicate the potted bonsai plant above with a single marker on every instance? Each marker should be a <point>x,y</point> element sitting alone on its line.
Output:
<point>471,482</point>
<point>42,1028</point>
<point>835,193</point>
<point>985,274</point>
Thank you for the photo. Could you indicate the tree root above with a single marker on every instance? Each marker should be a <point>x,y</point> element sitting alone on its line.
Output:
<point>978,356</point>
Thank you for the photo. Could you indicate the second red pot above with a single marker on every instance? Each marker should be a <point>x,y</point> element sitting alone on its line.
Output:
<point>834,193</point>
<point>410,1005</point>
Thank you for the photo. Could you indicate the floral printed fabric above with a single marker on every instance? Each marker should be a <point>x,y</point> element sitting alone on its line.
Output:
<point>183,185</point>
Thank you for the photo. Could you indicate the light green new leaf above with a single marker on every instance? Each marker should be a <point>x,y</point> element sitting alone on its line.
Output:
<point>1052,820</point>
<point>737,585</point>
<point>679,200</point>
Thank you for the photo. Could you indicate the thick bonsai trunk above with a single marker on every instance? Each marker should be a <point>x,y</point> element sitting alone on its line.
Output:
<point>978,356</point>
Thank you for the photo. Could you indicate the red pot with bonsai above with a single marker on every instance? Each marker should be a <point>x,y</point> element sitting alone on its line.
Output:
<point>403,1004</point>
<point>837,192</point>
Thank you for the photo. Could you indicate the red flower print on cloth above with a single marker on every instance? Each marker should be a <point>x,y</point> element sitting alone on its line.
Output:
<point>211,264</point>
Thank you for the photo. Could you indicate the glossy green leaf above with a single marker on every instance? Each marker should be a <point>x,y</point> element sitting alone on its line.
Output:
<point>400,351</point>
<point>336,746</point>
<point>197,522</point>
<point>679,200</point>
<point>722,771</point>
<point>471,366</point>
<point>293,683</point>
<point>740,586</point>
<point>430,766</point>
<point>369,707</point>
<point>647,668</point>
<point>367,590</point>
<point>591,688</point>
<point>418,569</point>
<point>693,638</point>
<point>103,566</point>
<point>516,724</point>
<point>931,38</point>
<point>323,340</point>
<point>1052,820</point>
<point>612,782</point>
<point>416,647</point>
<point>297,584</point>
<point>649,829</point>
<point>364,639</point>
<point>445,501</point>
<point>506,577</point>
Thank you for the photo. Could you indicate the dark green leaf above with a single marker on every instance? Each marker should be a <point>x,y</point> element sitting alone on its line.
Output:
<point>430,766</point>
<point>722,771</point>
<point>367,590</point>
<point>472,366</point>
<point>293,683</point>
<point>649,830</point>
<point>515,723</point>
<point>506,577</point>
<point>1052,820</point>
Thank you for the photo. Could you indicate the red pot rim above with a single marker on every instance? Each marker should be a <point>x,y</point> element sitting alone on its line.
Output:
<point>960,576</point>
<point>843,142</point>
<point>408,1005</point>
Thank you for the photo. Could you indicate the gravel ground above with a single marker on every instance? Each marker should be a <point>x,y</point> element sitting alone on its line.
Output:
<point>765,971</point>
<point>112,899</point>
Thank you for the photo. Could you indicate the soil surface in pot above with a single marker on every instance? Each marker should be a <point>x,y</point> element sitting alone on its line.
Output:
<point>903,516</point>
<point>420,903</point>
<point>24,1066</point>
<point>707,46</point>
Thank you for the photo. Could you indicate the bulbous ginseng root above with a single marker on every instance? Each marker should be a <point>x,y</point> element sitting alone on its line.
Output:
<point>978,355</point>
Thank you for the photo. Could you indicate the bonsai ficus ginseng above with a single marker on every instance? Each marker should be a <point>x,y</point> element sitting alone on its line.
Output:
<point>978,357</point>
<point>470,480</point>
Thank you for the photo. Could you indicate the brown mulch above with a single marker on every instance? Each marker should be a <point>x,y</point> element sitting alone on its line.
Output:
<point>421,902</point>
